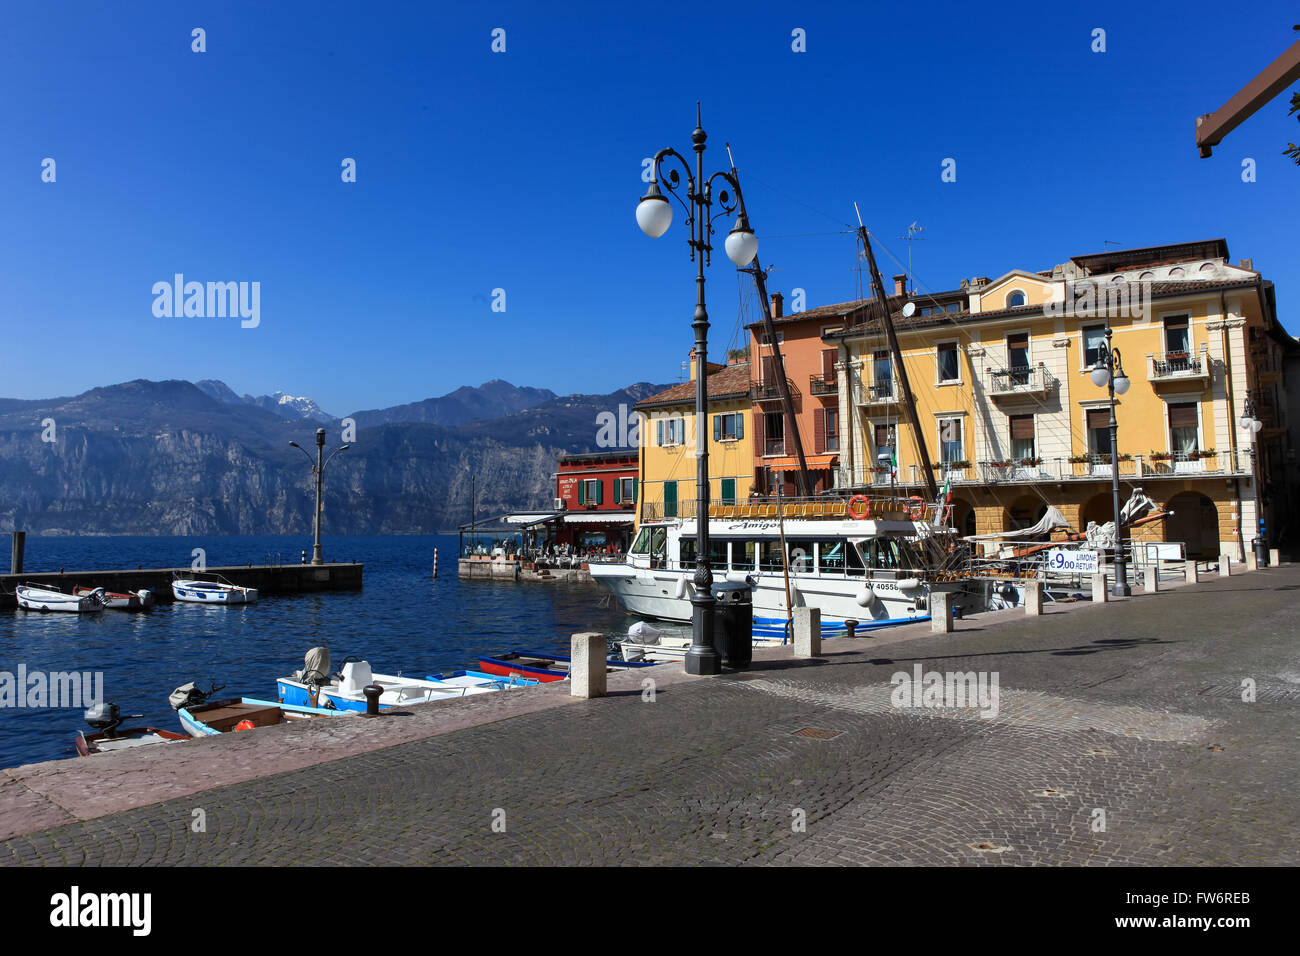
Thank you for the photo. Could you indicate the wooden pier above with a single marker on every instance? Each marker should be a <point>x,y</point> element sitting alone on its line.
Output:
<point>269,579</point>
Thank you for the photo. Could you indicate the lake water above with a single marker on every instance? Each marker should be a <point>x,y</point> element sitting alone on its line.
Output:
<point>402,622</point>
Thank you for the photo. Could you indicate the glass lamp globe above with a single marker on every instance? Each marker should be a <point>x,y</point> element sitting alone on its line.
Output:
<point>653,214</point>
<point>1121,384</point>
<point>1256,425</point>
<point>1100,376</point>
<point>1246,421</point>
<point>741,246</point>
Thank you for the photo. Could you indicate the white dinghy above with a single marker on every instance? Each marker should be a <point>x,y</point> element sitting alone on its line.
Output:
<point>35,598</point>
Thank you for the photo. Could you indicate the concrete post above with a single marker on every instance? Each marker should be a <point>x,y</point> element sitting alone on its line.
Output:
<point>941,611</point>
<point>1100,593</point>
<point>587,670</point>
<point>1034,598</point>
<point>1252,562</point>
<point>807,632</point>
<point>1151,578</point>
<point>1192,571</point>
<point>1274,557</point>
<point>1225,565</point>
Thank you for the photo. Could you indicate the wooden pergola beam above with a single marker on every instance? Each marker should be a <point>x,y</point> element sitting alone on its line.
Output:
<point>1281,73</point>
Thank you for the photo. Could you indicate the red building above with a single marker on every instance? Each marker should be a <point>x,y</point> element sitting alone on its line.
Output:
<point>595,503</point>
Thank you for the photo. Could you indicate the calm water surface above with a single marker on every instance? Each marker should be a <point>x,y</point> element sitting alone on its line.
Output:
<point>402,622</point>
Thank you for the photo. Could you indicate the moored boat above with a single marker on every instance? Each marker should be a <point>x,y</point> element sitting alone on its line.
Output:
<point>202,717</point>
<point>219,591</point>
<point>110,736</point>
<point>120,601</point>
<point>35,598</point>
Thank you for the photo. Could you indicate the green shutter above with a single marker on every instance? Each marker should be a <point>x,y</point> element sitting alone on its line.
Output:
<point>670,499</point>
<point>634,491</point>
<point>728,491</point>
<point>582,492</point>
<point>717,428</point>
<point>618,491</point>
<point>740,425</point>
<point>659,431</point>
<point>600,492</point>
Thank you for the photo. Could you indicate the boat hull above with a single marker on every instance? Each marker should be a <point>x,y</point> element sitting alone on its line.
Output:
<point>218,717</point>
<point>397,691</point>
<point>47,599</point>
<point>204,592</point>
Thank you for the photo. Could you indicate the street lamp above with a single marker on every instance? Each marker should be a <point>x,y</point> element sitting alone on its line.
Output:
<point>1109,372</point>
<point>654,214</point>
<point>318,468</point>
<point>1250,422</point>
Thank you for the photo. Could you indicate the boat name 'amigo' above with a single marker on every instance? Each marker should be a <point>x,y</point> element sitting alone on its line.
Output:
<point>217,301</point>
<point>73,909</point>
<point>55,689</point>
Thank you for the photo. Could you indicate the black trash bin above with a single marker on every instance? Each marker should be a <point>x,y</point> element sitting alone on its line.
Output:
<point>733,624</point>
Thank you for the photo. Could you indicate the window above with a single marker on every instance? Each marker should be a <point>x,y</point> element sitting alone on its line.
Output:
<point>670,499</point>
<point>882,375</point>
<point>1098,431</point>
<point>774,433</point>
<point>1015,299</point>
<point>1094,336</point>
<point>625,490</point>
<point>1182,428</point>
<point>730,427</point>
<point>717,553</point>
<point>832,429</point>
<point>884,447</point>
<point>670,431</point>
<point>765,339</point>
<point>831,555</point>
<point>728,491</point>
<point>1177,336</point>
<point>591,492</point>
<point>1022,437</point>
<point>1018,358</point>
<point>801,555</point>
<point>948,371</point>
<point>950,440</point>
<point>954,307</point>
<point>742,555</point>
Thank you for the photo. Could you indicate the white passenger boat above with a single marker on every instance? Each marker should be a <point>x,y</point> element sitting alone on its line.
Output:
<point>221,591</point>
<point>35,598</point>
<point>874,570</point>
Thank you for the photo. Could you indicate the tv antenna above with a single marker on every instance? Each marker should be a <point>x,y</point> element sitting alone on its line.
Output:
<point>913,235</point>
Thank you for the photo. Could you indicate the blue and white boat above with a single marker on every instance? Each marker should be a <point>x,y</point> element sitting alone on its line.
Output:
<point>220,591</point>
<point>201,717</point>
<point>345,691</point>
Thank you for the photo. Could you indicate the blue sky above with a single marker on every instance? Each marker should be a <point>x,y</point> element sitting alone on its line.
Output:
<point>521,171</point>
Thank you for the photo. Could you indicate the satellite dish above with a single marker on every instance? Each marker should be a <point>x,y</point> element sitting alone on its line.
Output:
<point>908,309</point>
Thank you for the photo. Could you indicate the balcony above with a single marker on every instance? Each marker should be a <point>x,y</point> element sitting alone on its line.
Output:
<point>1180,368</point>
<point>878,396</point>
<point>822,385</point>
<point>1077,468</point>
<point>1030,380</point>
<point>770,391</point>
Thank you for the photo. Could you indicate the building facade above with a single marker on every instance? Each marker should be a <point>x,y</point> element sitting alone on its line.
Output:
<point>1000,371</point>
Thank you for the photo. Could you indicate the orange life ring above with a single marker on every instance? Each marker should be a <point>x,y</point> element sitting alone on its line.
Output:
<point>866,513</point>
<point>917,511</point>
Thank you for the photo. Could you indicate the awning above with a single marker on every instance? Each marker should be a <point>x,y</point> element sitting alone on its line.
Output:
<point>599,517</point>
<point>815,462</point>
<point>530,518</point>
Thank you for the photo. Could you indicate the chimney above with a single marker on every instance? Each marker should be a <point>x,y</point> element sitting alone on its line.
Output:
<point>691,363</point>
<point>778,305</point>
<point>900,284</point>
<point>1247,264</point>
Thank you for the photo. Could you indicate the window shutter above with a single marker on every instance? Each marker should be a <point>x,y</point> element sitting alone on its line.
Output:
<point>1098,418</point>
<point>1182,416</point>
<point>717,428</point>
<point>760,447</point>
<point>600,492</point>
<point>618,491</point>
<point>582,492</point>
<point>882,436</point>
<point>819,431</point>
<point>1176,322</point>
<point>1022,427</point>
<point>634,491</point>
<point>828,364</point>
<point>769,370</point>
<point>740,424</point>
<point>659,431</point>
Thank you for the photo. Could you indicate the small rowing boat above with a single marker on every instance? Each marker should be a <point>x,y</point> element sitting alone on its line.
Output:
<point>35,598</point>
<point>220,591</point>
<point>107,718</point>
<point>547,666</point>
<point>118,601</point>
<point>202,717</point>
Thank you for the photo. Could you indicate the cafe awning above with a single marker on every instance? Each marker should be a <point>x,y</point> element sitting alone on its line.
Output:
<point>815,462</point>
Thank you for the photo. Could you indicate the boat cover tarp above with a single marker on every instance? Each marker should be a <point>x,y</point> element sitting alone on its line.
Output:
<point>315,667</point>
<point>1052,519</point>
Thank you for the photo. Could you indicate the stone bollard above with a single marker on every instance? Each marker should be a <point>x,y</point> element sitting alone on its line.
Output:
<point>941,612</point>
<point>1225,565</point>
<point>587,667</point>
<point>1151,578</point>
<point>1274,557</point>
<point>1192,570</point>
<point>1100,594</point>
<point>1252,562</point>
<point>807,632</point>
<point>1034,598</point>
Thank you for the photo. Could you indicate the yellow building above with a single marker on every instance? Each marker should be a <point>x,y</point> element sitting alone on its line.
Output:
<point>1001,376</point>
<point>668,462</point>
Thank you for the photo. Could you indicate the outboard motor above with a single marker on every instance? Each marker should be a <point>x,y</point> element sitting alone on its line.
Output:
<point>315,667</point>
<point>105,718</point>
<point>187,695</point>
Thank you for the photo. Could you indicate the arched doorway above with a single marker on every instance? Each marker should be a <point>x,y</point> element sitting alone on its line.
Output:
<point>1195,522</point>
<point>1098,508</point>
<point>963,517</point>
<point>1025,512</point>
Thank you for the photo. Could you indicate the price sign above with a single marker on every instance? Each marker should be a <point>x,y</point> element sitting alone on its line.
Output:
<point>1072,561</point>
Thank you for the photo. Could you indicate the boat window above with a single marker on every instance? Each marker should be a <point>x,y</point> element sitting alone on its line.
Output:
<point>717,553</point>
<point>742,555</point>
<point>769,555</point>
<point>831,556</point>
<point>801,554</point>
<point>642,543</point>
<point>658,547</point>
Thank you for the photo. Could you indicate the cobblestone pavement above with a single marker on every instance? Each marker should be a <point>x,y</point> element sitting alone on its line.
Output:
<point>1121,737</point>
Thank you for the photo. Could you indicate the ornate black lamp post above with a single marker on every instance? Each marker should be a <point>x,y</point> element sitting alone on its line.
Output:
<point>318,468</point>
<point>654,215</point>
<point>1109,371</point>
<point>1251,423</point>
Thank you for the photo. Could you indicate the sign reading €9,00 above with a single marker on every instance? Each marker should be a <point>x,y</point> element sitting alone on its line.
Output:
<point>1069,561</point>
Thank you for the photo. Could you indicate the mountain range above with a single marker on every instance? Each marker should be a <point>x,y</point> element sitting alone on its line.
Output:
<point>181,458</point>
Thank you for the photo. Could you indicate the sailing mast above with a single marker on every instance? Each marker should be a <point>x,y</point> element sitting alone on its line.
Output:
<point>778,361</point>
<point>909,405</point>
